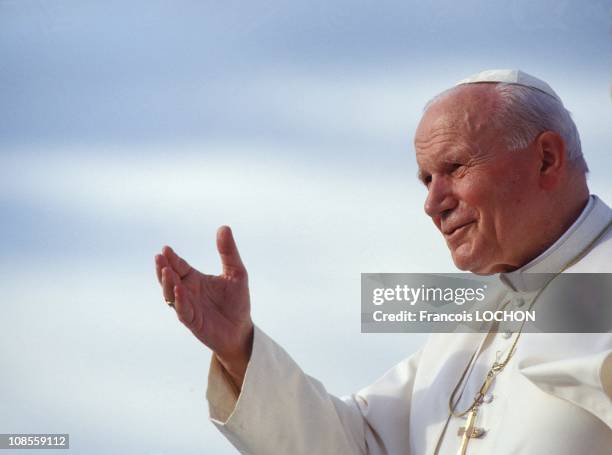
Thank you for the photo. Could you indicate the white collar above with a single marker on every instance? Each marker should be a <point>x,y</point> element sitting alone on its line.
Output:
<point>593,219</point>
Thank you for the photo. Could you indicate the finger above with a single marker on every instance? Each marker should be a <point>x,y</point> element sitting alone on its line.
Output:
<point>179,264</point>
<point>160,263</point>
<point>169,280</point>
<point>230,258</point>
<point>184,308</point>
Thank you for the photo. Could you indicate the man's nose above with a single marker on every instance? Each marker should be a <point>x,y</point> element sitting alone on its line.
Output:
<point>440,196</point>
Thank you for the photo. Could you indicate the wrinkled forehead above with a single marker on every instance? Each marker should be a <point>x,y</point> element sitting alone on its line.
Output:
<point>464,111</point>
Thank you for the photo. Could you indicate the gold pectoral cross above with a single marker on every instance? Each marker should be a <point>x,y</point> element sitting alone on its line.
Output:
<point>469,431</point>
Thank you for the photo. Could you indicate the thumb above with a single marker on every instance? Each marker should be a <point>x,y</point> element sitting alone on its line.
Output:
<point>230,258</point>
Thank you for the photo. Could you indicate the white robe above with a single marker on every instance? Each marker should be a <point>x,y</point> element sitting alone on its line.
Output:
<point>554,397</point>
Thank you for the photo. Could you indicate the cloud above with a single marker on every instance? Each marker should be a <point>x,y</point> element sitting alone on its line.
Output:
<point>127,127</point>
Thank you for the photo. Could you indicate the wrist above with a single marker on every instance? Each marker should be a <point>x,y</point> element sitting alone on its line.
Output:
<point>235,362</point>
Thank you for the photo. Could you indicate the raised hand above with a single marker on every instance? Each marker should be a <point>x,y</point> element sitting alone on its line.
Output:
<point>216,308</point>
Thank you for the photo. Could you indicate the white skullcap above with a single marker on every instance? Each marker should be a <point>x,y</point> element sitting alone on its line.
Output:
<point>517,77</point>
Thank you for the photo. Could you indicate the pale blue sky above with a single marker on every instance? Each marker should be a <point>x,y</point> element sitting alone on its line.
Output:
<point>128,125</point>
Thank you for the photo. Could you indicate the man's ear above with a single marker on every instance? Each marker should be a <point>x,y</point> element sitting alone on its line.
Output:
<point>550,149</point>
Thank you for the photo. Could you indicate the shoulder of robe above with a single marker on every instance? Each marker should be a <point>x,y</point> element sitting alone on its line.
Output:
<point>585,381</point>
<point>598,259</point>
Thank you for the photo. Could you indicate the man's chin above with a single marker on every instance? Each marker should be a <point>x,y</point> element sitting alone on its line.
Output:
<point>463,266</point>
<point>469,262</point>
<point>461,262</point>
<point>473,266</point>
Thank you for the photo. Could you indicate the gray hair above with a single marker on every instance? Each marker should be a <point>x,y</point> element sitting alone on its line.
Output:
<point>526,112</point>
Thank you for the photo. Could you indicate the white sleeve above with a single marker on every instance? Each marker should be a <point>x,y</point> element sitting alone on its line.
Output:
<point>281,410</point>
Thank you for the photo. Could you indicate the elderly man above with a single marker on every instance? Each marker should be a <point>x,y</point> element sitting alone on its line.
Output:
<point>501,160</point>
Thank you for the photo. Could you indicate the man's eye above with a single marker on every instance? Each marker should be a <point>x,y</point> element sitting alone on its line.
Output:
<point>427,180</point>
<point>455,167</point>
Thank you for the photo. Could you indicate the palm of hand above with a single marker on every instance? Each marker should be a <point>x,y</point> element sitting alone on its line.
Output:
<point>221,308</point>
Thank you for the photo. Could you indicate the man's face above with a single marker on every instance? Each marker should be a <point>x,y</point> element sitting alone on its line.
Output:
<point>478,191</point>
